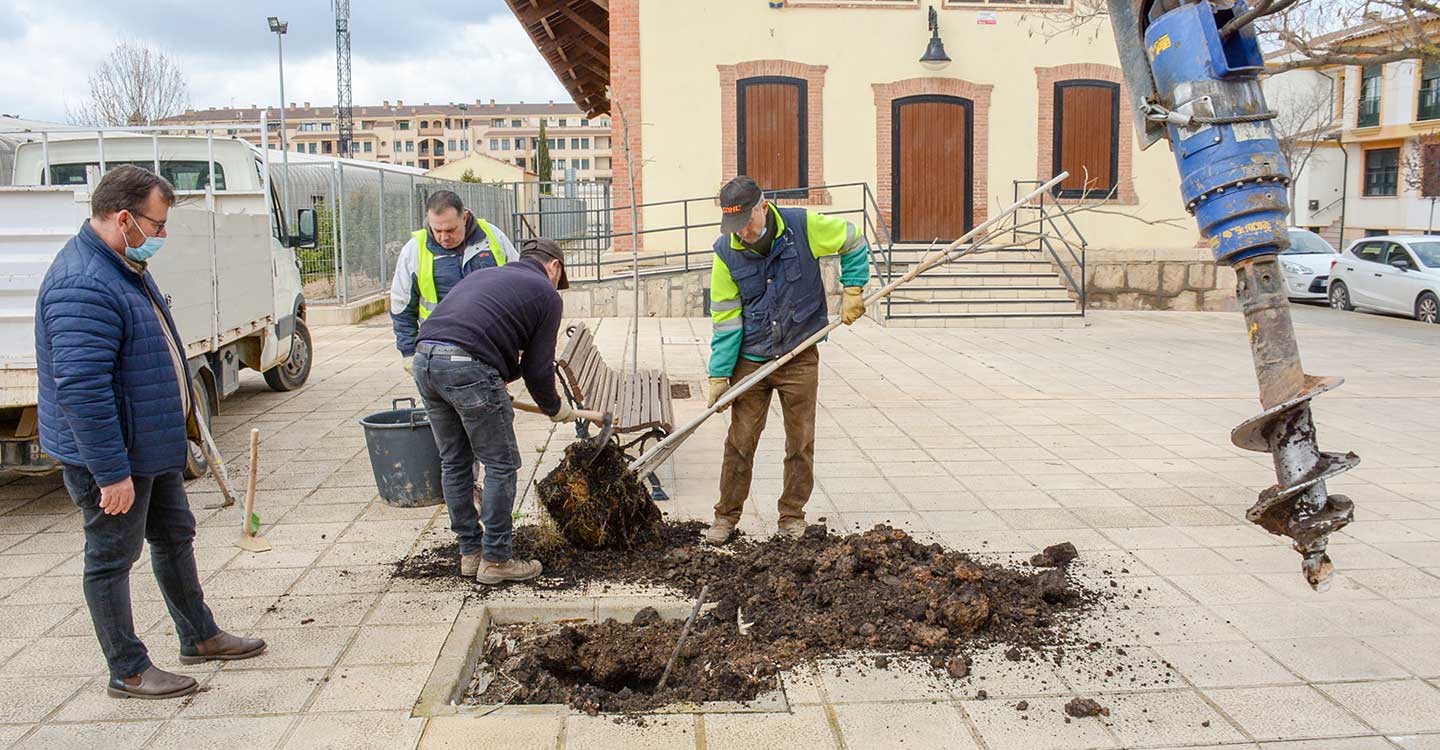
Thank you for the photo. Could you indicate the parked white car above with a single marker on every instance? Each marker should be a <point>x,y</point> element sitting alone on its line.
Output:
<point>1390,274</point>
<point>1306,265</point>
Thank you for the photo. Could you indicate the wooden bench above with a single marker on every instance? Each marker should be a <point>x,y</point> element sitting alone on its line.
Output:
<point>639,401</point>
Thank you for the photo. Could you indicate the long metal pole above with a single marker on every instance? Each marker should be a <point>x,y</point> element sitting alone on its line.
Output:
<point>284,135</point>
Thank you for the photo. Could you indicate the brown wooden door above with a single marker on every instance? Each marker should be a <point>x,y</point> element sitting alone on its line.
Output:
<point>772,132</point>
<point>933,157</point>
<point>1087,136</point>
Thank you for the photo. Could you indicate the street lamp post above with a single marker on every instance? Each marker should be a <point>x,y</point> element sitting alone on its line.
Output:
<point>280,27</point>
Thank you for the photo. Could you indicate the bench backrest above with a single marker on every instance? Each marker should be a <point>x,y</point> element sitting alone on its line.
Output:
<point>639,401</point>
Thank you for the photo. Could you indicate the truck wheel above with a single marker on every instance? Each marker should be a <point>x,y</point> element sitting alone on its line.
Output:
<point>195,464</point>
<point>293,372</point>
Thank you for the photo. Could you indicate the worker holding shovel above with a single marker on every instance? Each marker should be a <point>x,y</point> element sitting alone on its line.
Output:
<point>491,329</point>
<point>766,298</point>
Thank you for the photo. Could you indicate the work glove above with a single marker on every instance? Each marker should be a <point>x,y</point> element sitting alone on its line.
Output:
<point>566,414</point>
<point>852,305</point>
<point>718,386</point>
<point>409,364</point>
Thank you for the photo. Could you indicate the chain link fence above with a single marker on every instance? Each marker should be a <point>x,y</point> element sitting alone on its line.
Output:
<point>366,213</point>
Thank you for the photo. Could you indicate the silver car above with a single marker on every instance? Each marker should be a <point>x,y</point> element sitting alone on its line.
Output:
<point>1398,274</point>
<point>1306,265</point>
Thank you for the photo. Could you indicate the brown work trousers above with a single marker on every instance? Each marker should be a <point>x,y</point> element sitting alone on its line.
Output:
<point>798,383</point>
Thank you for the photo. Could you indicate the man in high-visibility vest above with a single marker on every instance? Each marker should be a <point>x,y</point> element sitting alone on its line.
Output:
<point>454,245</point>
<point>766,298</point>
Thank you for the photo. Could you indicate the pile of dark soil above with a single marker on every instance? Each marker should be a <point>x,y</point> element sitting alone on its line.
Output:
<point>779,603</point>
<point>598,503</point>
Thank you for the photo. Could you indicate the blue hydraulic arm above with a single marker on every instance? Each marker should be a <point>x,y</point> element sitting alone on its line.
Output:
<point>1195,66</point>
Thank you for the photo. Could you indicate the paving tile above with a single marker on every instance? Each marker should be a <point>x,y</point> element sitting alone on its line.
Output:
<point>1418,653</point>
<point>603,733</point>
<point>396,644</point>
<point>803,728</point>
<point>1042,727</point>
<point>1172,716</point>
<point>320,611</point>
<point>915,726</point>
<point>1415,742</point>
<point>30,700</point>
<point>1333,659</point>
<point>1334,743</point>
<point>229,731</point>
<point>111,736</point>
<point>254,691</point>
<point>91,703</point>
<point>360,730</point>
<point>1307,714</point>
<point>373,688</point>
<point>1391,707</point>
<point>1225,664</point>
<point>852,681</point>
<point>11,732</point>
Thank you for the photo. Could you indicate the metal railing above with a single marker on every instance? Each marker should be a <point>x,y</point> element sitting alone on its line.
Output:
<point>676,235</point>
<point>1042,229</point>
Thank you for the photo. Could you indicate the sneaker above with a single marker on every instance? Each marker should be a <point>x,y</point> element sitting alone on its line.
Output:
<point>492,573</point>
<point>153,684</point>
<point>792,527</point>
<point>469,565</point>
<point>720,531</point>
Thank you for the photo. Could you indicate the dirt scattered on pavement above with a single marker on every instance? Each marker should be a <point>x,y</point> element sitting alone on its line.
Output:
<point>1082,708</point>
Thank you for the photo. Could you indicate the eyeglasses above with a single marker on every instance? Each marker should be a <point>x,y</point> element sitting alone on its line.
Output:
<point>159,225</point>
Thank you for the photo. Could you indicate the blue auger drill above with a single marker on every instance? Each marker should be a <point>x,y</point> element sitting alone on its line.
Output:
<point>1194,67</point>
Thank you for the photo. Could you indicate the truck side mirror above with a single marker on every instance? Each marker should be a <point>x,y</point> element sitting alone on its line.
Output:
<point>1401,263</point>
<point>304,236</point>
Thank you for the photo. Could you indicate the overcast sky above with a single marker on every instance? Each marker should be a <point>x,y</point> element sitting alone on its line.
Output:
<point>415,50</point>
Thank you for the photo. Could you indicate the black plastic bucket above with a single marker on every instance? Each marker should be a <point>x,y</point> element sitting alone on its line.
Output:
<point>403,456</point>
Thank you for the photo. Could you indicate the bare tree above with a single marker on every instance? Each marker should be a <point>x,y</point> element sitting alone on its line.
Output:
<point>1307,33</point>
<point>1307,114</point>
<point>135,85</point>
<point>1420,165</point>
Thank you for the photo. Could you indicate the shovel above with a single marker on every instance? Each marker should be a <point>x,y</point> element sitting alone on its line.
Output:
<point>217,465</point>
<point>606,420</point>
<point>248,541</point>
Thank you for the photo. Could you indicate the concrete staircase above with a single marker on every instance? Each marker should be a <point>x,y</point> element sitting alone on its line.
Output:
<point>999,289</point>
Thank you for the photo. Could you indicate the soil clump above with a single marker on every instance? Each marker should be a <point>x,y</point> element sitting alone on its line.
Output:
<point>778,603</point>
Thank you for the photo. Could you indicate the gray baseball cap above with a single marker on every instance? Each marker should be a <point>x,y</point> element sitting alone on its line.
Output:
<point>737,199</point>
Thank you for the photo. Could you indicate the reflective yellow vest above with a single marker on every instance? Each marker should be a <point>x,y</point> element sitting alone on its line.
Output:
<point>425,274</point>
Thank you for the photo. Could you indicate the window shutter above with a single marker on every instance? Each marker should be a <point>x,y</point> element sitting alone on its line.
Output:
<point>1086,139</point>
<point>772,132</point>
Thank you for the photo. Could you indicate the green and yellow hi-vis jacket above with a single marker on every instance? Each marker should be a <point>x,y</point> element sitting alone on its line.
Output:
<point>825,235</point>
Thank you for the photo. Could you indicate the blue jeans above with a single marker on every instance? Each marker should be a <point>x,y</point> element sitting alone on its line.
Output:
<point>161,515</point>
<point>471,416</point>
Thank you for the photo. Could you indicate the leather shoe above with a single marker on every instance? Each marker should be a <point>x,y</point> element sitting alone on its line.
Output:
<point>153,684</point>
<point>223,647</point>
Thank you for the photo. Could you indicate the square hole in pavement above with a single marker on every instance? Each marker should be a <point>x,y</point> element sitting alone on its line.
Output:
<point>462,658</point>
<point>679,391</point>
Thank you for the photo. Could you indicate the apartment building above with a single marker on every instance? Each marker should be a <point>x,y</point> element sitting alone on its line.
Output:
<point>428,136</point>
<point>1362,167</point>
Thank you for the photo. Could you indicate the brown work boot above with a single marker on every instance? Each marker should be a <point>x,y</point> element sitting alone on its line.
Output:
<point>720,531</point>
<point>153,684</point>
<point>469,565</point>
<point>792,527</point>
<point>223,647</point>
<point>492,573</point>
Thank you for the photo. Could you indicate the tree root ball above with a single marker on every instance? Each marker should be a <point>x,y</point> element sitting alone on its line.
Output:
<point>599,504</point>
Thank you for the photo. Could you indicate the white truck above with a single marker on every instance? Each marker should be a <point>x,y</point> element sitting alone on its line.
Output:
<point>228,270</point>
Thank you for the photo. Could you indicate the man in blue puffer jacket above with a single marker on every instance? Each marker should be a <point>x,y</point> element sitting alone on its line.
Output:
<point>114,411</point>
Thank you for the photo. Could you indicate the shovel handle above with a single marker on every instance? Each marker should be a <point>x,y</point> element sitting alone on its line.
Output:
<point>589,416</point>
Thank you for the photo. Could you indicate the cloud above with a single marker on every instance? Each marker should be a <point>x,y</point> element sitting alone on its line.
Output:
<point>416,51</point>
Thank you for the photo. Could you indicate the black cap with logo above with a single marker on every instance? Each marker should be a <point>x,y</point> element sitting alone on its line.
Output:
<point>737,199</point>
<point>544,249</point>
